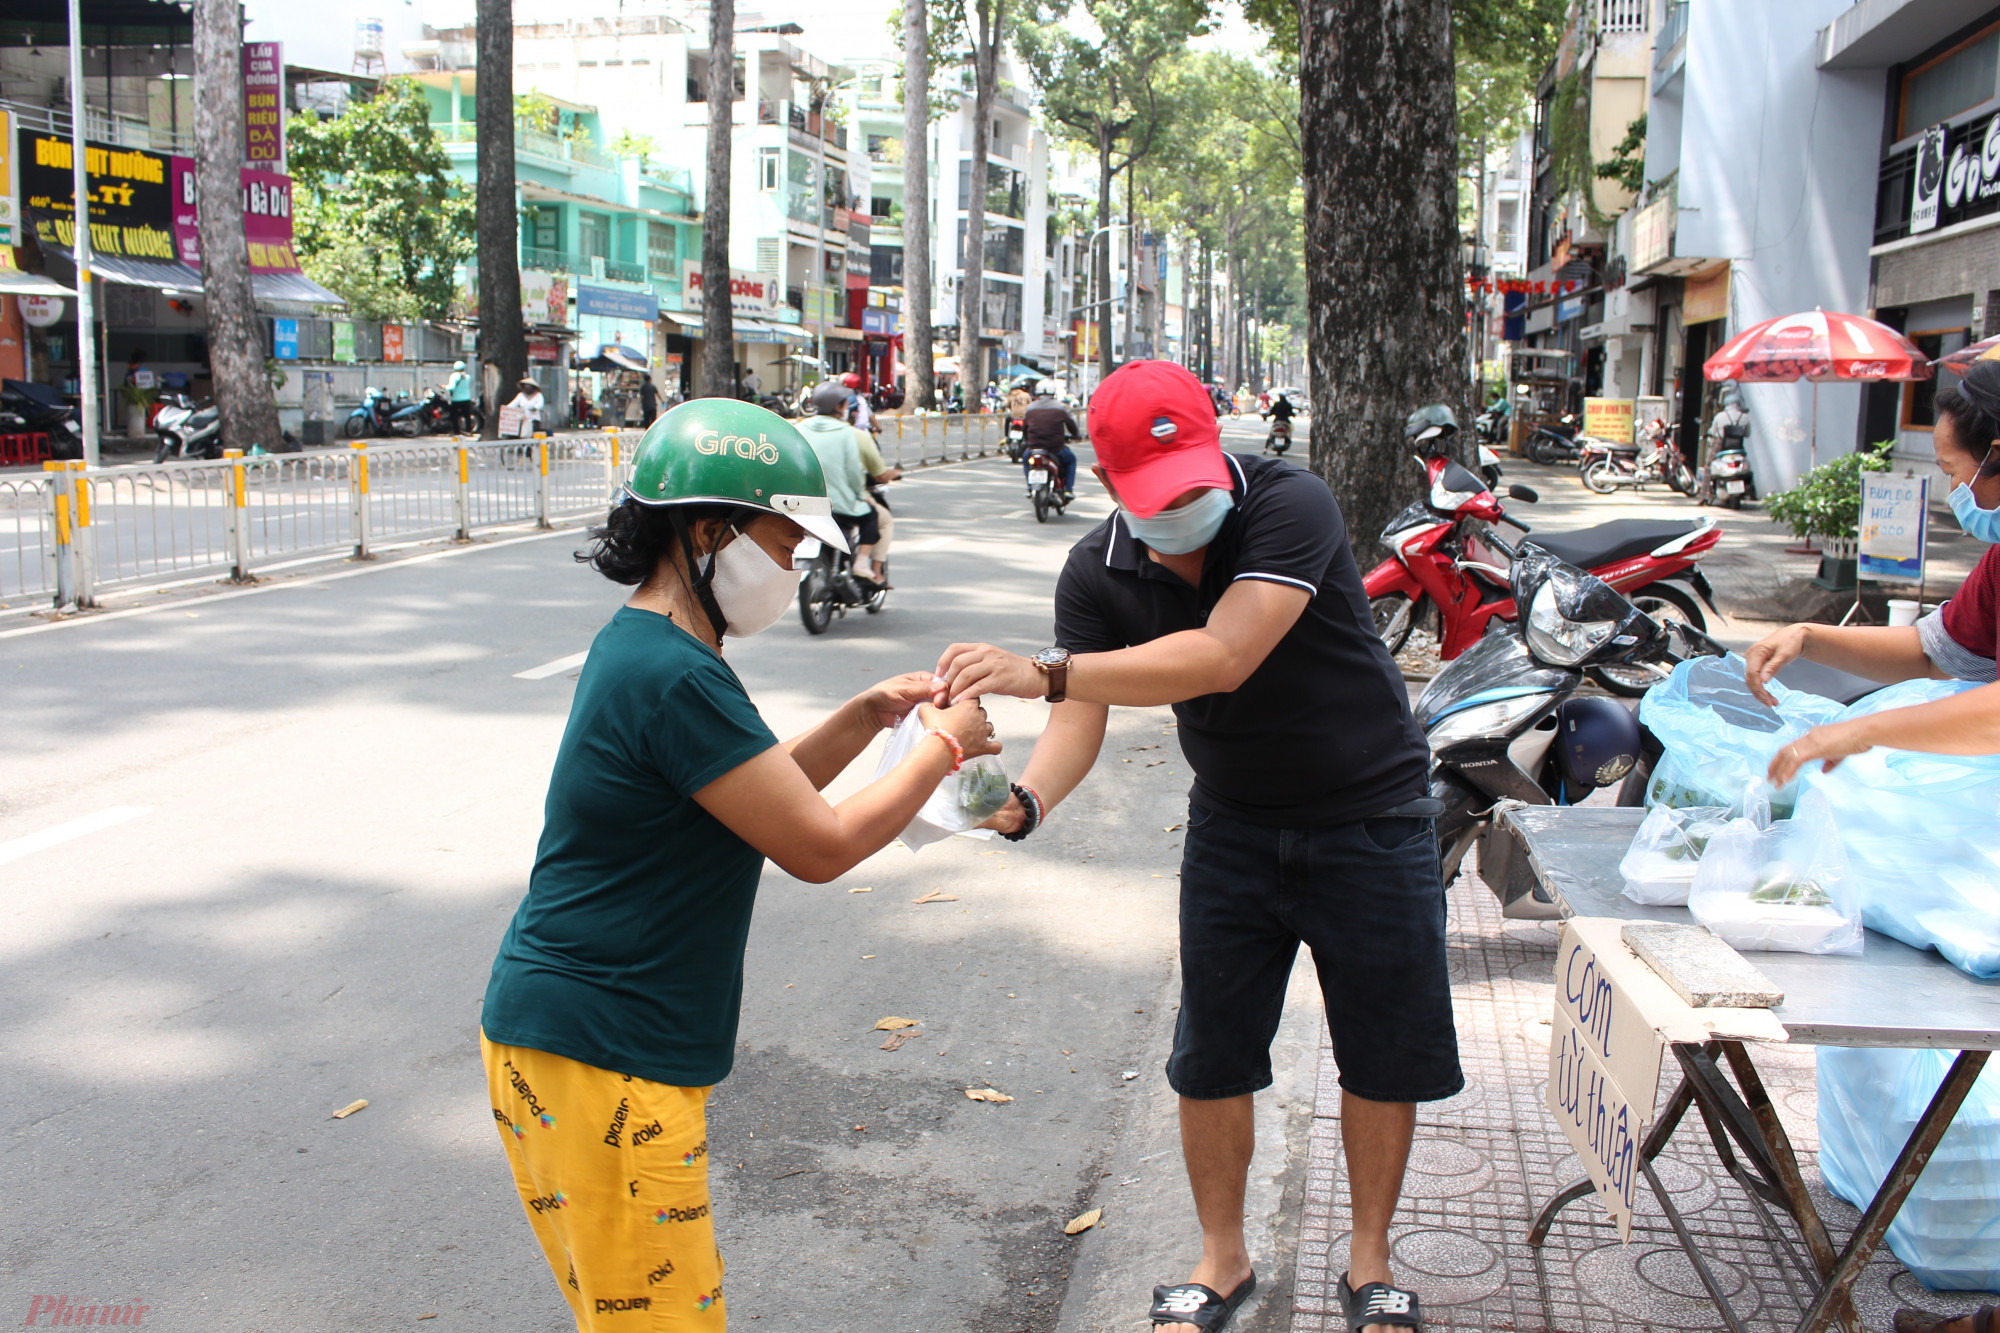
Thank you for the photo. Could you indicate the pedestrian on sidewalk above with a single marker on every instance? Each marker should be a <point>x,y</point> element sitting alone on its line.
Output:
<point>612,1008</point>
<point>1225,586</point>
<point>458,392</point>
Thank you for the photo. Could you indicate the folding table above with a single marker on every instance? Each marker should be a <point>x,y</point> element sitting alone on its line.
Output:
<point>1890,996</point>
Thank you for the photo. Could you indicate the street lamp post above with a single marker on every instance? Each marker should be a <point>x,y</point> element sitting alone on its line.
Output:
<point>86,345</point>
<point>1090,287</point>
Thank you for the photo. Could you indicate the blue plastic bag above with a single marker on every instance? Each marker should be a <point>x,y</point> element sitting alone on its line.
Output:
<point>1719,739</point>
<point>1921,837</point>
<point>1948,1233</point>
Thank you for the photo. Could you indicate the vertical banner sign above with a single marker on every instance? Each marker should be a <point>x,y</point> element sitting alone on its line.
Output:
<point>1894,514</point>
<point>267,219</point>
<point>343,340</point>
<point>264,106</point>
<point>10,204</point>
<point>285,339</point>
<point>1928,188</point>
<point>1604,1072</point>
<point>392,342</point>
<point>1609,419</point>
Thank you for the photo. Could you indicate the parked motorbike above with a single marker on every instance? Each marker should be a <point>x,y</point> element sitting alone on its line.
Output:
<point>1280,438</point>
<point>1017,438</point>
<point>830,587</point>
<point>187,430</point>
<point>1045,490</point>
<point>38,409</point>
<point>1552,442</point>
<point>1490,426</point>
<point>1489,467</point>
<point>1444,552</point>
<point>1727,480</point>
<point>372,416</point>
<point>1606,466</point>
<point>1505,721</point>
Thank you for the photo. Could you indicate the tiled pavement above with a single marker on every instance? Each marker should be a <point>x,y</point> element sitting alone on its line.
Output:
<point>1486,1159</point>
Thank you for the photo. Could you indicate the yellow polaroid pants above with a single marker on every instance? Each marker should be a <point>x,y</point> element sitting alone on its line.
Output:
<point>613,1172</point>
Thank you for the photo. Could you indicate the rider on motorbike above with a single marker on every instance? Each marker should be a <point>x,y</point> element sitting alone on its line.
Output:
<point>1281,408</point>
<point>1048,426</point>
<point>839,449</point>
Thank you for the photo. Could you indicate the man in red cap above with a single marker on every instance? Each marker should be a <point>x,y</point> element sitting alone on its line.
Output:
<point>1225,586</point>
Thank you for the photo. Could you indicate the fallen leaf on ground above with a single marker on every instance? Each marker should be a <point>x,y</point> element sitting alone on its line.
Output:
<point>866,956</point>
<point>1142,747</point>
<point>1171,828</point>
<point>861,1129</point>
<point>936,896</point>
<point>1084,1221</point>
<point>987,1095</point>
<point>422,1317</point>
<point>349,1109</point>
<point>896,1039</point>
<point>892,1023</point>
<point>869,889</point>
<point>1156,763</point>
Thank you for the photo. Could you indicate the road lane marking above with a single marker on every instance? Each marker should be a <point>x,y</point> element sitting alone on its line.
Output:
<point>927,544</point>
<point>76,828</point>
<point>555,668</point>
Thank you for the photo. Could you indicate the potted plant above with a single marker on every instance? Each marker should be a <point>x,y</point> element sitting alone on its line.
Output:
<point>1826,504</point>
<point>138,408</point>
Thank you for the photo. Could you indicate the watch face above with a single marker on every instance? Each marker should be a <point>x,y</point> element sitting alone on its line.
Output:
<point>1053,656</point>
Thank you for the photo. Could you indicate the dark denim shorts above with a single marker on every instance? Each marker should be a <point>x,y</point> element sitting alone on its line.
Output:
<point>1368,899</point>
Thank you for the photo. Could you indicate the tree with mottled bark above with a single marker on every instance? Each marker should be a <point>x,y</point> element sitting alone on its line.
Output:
<point>244,397</point>
<point>718,325</point>
<point>917,206</point>
<point>985,30</point>
<point>503,342</point>
<point>1386,296</point>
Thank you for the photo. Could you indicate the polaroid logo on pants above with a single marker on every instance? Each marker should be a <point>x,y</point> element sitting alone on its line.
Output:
<point>624,1303</point>
<point>661,1216</point>
<point>74,1310</point>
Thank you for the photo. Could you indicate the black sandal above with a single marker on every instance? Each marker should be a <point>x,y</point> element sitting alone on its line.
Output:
<point>1204,1307</point>
<point>1923,1321</point>
<point>1379,1303</point>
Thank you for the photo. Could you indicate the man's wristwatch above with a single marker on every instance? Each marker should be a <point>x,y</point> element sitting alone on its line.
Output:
<point>1054,663</point>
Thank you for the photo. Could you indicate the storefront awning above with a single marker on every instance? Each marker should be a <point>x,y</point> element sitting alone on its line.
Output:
<point>13,282</point>
<point>276,289</point>
<point>745,329</point>
<point>291,289</point>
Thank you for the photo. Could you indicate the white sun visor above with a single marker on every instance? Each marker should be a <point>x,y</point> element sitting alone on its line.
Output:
<point>814,514</point>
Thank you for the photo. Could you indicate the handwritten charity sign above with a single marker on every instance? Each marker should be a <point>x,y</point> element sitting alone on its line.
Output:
<point>1894,511</point>
<point>1613,1020</point>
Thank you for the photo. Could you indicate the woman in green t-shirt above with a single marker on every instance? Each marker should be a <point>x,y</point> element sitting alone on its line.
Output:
<point>613,1003</point>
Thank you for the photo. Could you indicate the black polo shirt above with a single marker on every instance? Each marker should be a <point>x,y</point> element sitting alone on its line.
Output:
<point>1321,733</point>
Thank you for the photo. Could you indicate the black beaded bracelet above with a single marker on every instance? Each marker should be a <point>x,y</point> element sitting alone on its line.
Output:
<point>1031,812</point>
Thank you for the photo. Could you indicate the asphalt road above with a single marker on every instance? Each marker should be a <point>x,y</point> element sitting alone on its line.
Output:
<point>312,809</point>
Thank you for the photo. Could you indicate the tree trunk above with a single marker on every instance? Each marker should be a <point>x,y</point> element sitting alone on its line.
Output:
<point>243,393</point>
<point>972,290</point>
<point>718,326</point>
<point>1131,259</point>
<point>503,342</point>
<point>1101,316</point>
<point>917,205</point>
<point>1385,295</point>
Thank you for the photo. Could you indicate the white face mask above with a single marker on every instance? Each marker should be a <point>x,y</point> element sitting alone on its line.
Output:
<point>752,589</point>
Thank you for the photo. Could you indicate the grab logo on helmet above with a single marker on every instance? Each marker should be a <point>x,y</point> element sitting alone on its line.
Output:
<point>715,442</point>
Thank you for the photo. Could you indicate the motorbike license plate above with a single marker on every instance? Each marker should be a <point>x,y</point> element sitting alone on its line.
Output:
<point>1733,488</point>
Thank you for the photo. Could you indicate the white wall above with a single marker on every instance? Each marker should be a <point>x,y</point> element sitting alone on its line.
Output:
<point>321,35</point>
<point>1778,166</point>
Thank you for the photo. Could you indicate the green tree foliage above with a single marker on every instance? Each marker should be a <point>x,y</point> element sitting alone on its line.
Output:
<point>379,219</point>
<point>1627,164</point>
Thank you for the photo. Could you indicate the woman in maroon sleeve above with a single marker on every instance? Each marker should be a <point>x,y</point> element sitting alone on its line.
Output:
<point>1960,641</point>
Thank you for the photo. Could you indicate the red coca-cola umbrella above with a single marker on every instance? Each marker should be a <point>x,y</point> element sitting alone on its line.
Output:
<point>1963,359</point>
<point>1817,345</point>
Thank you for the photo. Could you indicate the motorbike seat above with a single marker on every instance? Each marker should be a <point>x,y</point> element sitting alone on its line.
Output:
<point>1620,539</point>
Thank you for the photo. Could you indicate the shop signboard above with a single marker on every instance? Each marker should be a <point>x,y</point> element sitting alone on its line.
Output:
<point>1927,192</point>
<point>10,205</point>
<point>392,342</point>
<point>1609,419</point>
<point>1894,513</point>
<point>616,303</point>
<point>1569,309</point>
<point>267,219</point>
<point>544,297</point>
<point>264,106</point>
<point>749,293</point>
<point>285,339</point>
<point>343,340</point>
<point>1955,175</point>
<point>1653,234</point>
<point>1706,296</point>
<point>131,196</point>
<point>40,312</point>
<point>874,320</point>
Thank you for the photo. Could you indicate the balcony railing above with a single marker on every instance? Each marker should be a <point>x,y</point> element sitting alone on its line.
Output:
<point>1673,32</point>
<point>548,261</point>
<point>563,261</point>
<point>124,131</point>
<point>1622,15</point>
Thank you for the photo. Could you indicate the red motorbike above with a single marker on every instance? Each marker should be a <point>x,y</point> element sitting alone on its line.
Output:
<point>1441,559</point>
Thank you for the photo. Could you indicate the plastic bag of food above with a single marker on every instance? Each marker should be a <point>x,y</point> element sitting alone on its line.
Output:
<point>1659,866</point>
<point>1948,1232</point>
<point>1719,739</point>
<point>1784,888</point>
<point>1922,843</point>
<point>962,802</point>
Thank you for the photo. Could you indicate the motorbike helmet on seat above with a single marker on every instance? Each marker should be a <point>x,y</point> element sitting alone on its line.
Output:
<point>1429,423</point>
<point>830,399</point>
<point>1597,741</point>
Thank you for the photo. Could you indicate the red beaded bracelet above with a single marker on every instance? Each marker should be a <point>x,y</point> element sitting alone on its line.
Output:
<point>957,750</point>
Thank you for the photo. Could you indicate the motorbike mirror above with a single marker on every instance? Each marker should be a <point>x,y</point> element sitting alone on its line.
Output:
<point>1525,494</point>
<point>1684,642</point>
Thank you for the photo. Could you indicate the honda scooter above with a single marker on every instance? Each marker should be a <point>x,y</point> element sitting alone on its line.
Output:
<point>1279,439</point>
<point>1045,490</point>
<point>1553,442</point>
<point>187,431</point>
<point>1727,480</point>
<point>1606,466</point>
<point>1505,720</point>
<point>1442,555</point>
<point>1017,438</point>
<point>830,587</point>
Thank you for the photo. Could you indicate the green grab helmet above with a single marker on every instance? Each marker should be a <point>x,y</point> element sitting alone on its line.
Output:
<point>726,451</point>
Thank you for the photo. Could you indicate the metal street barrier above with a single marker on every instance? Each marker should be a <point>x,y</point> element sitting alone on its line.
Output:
<point>66,534</point>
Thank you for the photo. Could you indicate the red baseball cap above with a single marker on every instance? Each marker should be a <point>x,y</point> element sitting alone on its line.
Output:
<point>1154,429</point>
